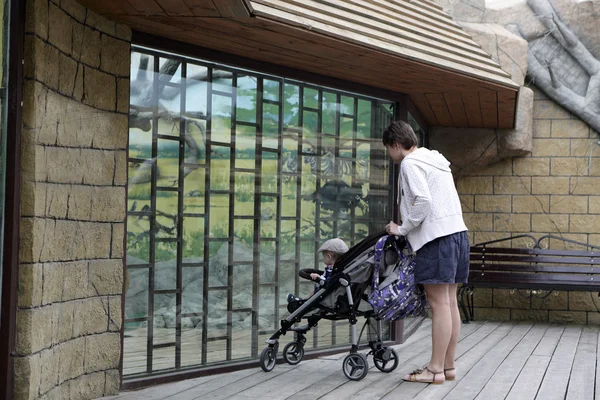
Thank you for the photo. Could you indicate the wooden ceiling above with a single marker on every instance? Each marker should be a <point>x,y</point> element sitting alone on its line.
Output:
<point>407,46</point>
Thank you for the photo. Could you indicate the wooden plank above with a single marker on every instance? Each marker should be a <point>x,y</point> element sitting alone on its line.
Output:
<point>484,369</point>
<point>439,107</point>
<point>109,7</point>
<point>507,102</point>
<point>175,8</point>
<point>503,379</point>
<point>232,8</point>
<point>528,382</point>
<point>472,108</point>
<point>202,8</point>
<point>583,374</point>
<point>457,109</point>
<point>146,7</point>
<point>420,101</point>
<point>556,380</point>
<point>488,102</point>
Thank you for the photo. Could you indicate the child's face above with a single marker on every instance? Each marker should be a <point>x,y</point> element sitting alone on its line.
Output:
<point>327,258</point>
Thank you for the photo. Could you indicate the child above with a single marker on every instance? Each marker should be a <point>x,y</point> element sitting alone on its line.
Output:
<point>331,251</point>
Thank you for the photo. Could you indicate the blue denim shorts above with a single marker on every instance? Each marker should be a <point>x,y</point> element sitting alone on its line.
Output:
<point>443,260</point>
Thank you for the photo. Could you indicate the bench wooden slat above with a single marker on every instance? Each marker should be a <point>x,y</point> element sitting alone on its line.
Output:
<point>516,268</point>
<point>509,250</point>
<point>537,259</point>
<point>589,280</point>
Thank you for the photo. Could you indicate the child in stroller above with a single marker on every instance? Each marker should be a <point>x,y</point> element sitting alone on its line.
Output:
<point>339,298</point>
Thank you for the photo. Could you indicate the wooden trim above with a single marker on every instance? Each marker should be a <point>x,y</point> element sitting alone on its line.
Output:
<point>12,207</point>
<point>190,50</point>
<point>233,8</point>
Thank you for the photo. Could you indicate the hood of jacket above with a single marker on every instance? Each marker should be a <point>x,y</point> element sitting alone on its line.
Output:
<point>430,157</point>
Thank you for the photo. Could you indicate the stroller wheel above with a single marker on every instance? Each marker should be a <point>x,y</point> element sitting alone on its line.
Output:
<point>355,366</point>
<point>293,353</point>
<point>386,359</point>
<point>268,358</point>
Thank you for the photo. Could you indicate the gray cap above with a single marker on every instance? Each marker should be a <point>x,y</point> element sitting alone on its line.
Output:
<point>336,245</point>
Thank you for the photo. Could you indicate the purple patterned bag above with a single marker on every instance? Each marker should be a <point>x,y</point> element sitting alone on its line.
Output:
<point>401,297</point>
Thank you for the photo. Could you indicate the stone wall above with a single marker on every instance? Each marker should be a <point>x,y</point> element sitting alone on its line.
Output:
<point>75,131</point>
<point>549,192</point>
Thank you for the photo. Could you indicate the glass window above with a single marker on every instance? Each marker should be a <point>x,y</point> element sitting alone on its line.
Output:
<point>236,178</point>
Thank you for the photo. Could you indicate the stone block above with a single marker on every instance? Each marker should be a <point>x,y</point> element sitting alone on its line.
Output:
<point>120,168</point>
<point>548,109</point>
<point>561,244</point>
<point>60,29</point>
<point>502,167</point>
<point>89,317</point>
<point>64,165</point>
<point>31,239</point>
<point>478,221</point>
<point>568,166</point>
<point>108,204</point>
<point>529,315</point>
<point>512,185</point>
<point>57,200</point>
<point>88,386</point>
<point>80,203</point>
<point>491,203</point>
<point>549,223</point>
<point>78,87</point>
<point>549,185</point>
<point>568,317</point>
<point>27,372</point>
<point>542,128</point>
<point>554,301</point>
<point>90,47</point>
<point>36,13</point>
<point>78,40</point>
<point>71,356</point>
<point>59,239</point>
<point>593,318</point>
<point>115,56</point>
<point>585,185</point>
<point>512,223</point>
<point>118,235</point>
<point>594,204</point>
<point>98,167</point>
<point>584,301</point>
<point>34,330</point>
<point>102,352</point>
<point>505,298</point>
<point>585,223</point>
<point>583,147</point>
<point>530,204</point>
<point>33,199</point>
<point>60,392</point>
<point>49,370</point>
<point>74,9</point>
<point>475,185</point>
<point>112,307</point>
<point>528,166</point>
<point>76,280</point>
<point>123,95</point>
<point>95,240</point>
<point>100,23</point>
<point>106,277</point>
<point>111,131</point>
<point>480,237</point>
<point>34,100</point>
<point>64,322</point>
<point>113,382</point>
<point>54,275</point>
<point>570,129</point>
<point>543,147</point>
<point>492,314</point>
<point>30,285</point>
<point>67,71</point>
<point>100,89</point>
<point>467,202</point>
<point>569,204</point>
<point>482,297</point>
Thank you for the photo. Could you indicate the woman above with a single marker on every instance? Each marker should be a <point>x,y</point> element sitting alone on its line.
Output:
<point>433,224</point>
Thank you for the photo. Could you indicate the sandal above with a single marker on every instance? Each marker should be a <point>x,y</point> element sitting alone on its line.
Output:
<point>412,377</point>
<point>449,378</point>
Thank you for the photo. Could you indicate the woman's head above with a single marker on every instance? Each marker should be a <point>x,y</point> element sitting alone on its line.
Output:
<point>399,139</point>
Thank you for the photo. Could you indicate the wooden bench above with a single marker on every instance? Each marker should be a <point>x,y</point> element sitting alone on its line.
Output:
<point>530,271</point>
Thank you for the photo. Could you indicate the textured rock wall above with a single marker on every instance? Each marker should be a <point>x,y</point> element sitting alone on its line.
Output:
<point>555,191</point>
<point>75,131</point>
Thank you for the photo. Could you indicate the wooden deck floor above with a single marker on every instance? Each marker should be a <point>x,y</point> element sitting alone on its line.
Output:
<point>510,360</point>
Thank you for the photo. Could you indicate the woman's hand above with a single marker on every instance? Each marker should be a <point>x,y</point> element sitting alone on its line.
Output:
<point>392,229</point>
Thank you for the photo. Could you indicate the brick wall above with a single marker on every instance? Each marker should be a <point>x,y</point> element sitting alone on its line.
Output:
<point>75,130</point>
<point>549,192</point>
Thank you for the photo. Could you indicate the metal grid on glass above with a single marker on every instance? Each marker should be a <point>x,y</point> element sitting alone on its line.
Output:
<point>236,178</point>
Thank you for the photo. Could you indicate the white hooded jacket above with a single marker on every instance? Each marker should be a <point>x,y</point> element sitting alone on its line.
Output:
<point>429,204</point>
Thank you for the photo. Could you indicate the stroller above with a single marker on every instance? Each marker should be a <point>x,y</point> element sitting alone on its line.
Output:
<point>339,298</point>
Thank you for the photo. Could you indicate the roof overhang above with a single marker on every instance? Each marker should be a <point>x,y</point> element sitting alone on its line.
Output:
<point>408,46</point>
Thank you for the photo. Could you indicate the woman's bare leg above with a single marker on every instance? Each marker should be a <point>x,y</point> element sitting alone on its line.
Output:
<point>456,325</point>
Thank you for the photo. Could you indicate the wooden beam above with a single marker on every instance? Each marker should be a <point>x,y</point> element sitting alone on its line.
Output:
<point>440,108</point>
<point>472,108</point>
<point>202,8</point>
<point>457,109</point>
<point>420,101</point>
<point>232,8</point>
<point>507,104</point>
<point>146,7</point>
<point>175,8</point>
<point>488,102</point>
